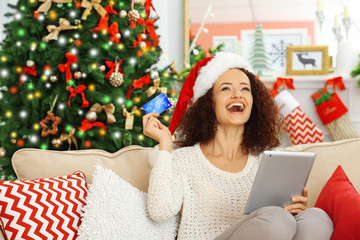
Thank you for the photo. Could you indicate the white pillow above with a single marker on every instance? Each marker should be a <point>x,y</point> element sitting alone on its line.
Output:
<point>117,210</point>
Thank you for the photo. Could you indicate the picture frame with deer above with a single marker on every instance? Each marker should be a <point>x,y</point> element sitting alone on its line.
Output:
<point>307,60</point>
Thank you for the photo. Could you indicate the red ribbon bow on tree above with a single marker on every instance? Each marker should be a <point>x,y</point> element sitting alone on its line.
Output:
<point>112,66</point>
<point>103,24</point>
<point>31,71</point>
<point>149,28</point>
<point>279,82</point>
<point>148,6</point>
<point>66,67</point>
<point>336,81</point>
<point>86,125</point>
<point>145,80</point>
<point>80,90</point>
<point>139,40</point>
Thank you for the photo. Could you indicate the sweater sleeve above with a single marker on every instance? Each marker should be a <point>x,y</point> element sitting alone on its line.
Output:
<point>165,193</point>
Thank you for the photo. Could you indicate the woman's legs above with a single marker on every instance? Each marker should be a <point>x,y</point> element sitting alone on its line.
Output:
<point>271,223</point>
<point>313,223</point>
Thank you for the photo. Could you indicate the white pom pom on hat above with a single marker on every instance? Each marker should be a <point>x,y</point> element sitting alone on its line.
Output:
<point>201,79</point>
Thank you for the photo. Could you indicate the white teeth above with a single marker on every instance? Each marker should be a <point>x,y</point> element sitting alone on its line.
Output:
<point>236,105</point>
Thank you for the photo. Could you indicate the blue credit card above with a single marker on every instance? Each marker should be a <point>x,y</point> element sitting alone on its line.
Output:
<point>157,105</point>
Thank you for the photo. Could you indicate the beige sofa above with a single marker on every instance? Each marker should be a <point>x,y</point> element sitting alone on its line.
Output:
<point>132,165</point>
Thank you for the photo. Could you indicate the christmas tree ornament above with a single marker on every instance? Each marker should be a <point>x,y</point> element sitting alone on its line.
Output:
<point>29,71</point>
<point>151,90</point>
<point>133,15</point>
<point>71,59</point>
<point>91,116</point>
<point>79,90</point>
<point>142,44</point>
<point>154,74</point>
<point>47,4</point>
<point>143,35</point>
<point>70,138</point>
<point>123,14</point>
<point>332,111</point>
<point>138,83</point>
<point>30,63</point>
<point>116,78</point>
<point>56,142</point>
<point>77,75</point>
<point>172,68</point>
<point>54,30</point>
<point>127,141</point>
<point>173,103</point>
<point>297,124</point>
<point>53,78</point>
<point>102,68</point>
<point>86,125</point>
<point>118,36</point>
<point>109,110</point>
<point>94,4</point>
<point>2,152</point>
<point>129,122</point>
<point>56,121</point>
<point>77,21</point>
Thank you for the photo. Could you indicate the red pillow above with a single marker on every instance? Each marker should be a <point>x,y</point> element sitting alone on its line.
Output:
<point>340,200</point>
<point>46,208</point>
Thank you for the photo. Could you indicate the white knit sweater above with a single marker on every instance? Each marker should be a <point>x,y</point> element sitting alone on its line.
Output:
<point>212,199</point>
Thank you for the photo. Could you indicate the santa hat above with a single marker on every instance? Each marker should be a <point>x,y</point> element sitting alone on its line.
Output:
<point>201,79</point>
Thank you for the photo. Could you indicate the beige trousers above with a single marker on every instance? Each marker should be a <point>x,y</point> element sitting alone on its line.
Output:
<point>275,223</point>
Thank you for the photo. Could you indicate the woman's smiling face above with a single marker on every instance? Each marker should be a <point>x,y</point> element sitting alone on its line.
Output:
<point>232,98</point>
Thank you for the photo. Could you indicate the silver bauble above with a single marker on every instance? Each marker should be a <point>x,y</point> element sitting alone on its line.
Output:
<point>116,79</point>
<point>91,116</point>
<point>53,78</point>
<point>77,75</point>
<point>143,35</point>
<point>154,74</point>
<point>118,36</point>
<point>123,14</point>
<point>77,21</point>
<point>30,63</point>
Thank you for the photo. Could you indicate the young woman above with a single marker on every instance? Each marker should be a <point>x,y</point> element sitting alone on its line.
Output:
<point>225,118</point>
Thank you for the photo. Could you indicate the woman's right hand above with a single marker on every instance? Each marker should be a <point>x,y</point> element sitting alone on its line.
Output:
<point>153,128</point>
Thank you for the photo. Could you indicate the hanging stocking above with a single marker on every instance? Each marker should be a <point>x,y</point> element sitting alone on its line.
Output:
<point>297,124</point>
<point>333,112</point>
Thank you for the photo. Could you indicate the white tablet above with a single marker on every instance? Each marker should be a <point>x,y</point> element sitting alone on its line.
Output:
<point>281,175</point>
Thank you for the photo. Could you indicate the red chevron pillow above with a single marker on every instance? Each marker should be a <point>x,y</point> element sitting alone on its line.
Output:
<point>46,208</point>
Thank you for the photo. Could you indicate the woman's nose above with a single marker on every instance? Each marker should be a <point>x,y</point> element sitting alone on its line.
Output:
<point>236,94</point>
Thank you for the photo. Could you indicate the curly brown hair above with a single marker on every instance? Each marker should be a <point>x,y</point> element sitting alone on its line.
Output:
<point>262,130</point>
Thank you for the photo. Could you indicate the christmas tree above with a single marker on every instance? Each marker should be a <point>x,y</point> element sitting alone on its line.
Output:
<point>74,75</point>
<point>259,58</point>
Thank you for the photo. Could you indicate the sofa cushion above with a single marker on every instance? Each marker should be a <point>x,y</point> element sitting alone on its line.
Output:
<point>117,210</point>
<point>42,208</point>
<point>329,156</point>
<point>131,163</point>
<point>340,200</point>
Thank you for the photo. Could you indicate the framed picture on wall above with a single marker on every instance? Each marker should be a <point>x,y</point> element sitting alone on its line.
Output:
<point>275,43</point>
<point>307,60</point>
<point>230,43</point>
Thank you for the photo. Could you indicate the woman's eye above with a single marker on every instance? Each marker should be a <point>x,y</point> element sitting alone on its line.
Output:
<point>225,89</point>
<point>245,89</point>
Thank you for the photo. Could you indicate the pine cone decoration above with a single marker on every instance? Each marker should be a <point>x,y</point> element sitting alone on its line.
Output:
<point>116,79</point>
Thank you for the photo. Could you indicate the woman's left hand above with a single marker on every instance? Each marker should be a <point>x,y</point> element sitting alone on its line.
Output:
<point>300,203</point>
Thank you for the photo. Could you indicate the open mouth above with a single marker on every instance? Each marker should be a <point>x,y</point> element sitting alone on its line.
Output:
<point>235,107</point>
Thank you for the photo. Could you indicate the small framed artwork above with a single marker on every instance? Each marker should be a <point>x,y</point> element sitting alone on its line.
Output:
<point>230,43</point>
<point>275,42</point>
<point>307,60</point>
